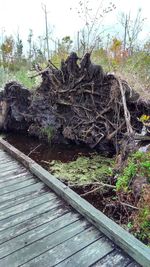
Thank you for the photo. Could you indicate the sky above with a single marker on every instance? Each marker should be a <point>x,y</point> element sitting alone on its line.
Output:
<point>22,15</point>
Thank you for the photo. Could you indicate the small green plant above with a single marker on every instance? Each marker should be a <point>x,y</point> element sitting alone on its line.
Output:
<point>130,225</point>
<point>138,163</point>
<point>127,175</point>
<point>143,225</point>
<point>48,132</point>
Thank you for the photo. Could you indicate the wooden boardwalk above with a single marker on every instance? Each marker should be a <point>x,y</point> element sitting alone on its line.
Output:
<point>38,228</point>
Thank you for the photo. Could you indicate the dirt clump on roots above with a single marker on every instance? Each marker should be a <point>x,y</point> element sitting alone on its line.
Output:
<point>77,103</point>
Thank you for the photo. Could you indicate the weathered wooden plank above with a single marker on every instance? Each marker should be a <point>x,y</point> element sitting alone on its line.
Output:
<point>33,250</point>
<point>11,172</point>
<point>38,233</point>
<point>5,164</point>
<point>15,181</point>
<point>3,154</point>
<point>10,168</point>
<point>122,238</point>
<point>27,205</point>
<point>15,152</point>
<point>86,256</point>
<point>13,176</point>
<point>28,214</point>
<point>22,192</point>
<point>62,251</point>
<point>11,163</point>
<point>133,247</point>
<point>134,264</point>
<point>113,259</point>
<point>42,218</point>
<point>6,161</point>
<point>18,186</point>
<point>34,190</point>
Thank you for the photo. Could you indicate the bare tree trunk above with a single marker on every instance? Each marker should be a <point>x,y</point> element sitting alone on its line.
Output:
<point>125,33</point>
<point>78,41</point>
<point>46,30</point>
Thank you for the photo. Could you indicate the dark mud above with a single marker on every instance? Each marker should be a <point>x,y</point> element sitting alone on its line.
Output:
<point>41,151</point>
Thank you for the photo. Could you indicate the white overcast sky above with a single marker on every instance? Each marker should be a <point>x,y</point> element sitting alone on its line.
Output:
<point>23,15</point>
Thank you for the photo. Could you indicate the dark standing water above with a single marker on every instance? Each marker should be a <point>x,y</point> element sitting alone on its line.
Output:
<point>40,151</point>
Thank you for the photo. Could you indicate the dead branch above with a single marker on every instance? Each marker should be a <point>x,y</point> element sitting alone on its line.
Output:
<point>126,111</point>
<point>128,205</point>
<point>91,192</point>
<point>33,150</point>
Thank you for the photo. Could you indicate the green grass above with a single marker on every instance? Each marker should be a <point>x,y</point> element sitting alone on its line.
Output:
<point>21,76</point>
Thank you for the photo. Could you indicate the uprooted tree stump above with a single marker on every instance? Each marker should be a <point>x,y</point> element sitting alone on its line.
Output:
<point>78,102</point>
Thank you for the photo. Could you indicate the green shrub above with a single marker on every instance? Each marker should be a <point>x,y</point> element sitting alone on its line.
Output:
<point>138,163</point>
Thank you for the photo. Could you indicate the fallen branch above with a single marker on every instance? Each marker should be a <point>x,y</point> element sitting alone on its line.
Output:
<point>142,137</point>
<point>126,111</point>
<point>101,184</point>
<point>90,192</point>
<point>39,73</point>
<point>33,150</point>
<point>128,205</point>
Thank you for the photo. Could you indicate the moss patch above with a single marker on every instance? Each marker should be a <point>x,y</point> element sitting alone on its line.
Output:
<point>84,169</point>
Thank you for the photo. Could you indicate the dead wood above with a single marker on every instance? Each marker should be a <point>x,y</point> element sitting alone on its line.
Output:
<point>80,103</point>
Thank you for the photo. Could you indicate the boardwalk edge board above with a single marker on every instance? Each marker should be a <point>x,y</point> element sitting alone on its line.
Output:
<point>132,246</point>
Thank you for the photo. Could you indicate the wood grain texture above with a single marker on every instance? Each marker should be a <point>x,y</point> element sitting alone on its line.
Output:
<point>26,205</point>
<point>28,214</point>
<point>33,250</point>
<point>39,229</point>
<point>115,258</point>
<point>42,218</point>
<point>10,173</point>
<point>21,192</point>
<point>89,255</point>
<point>9,165</point>
<point>18,186</point>
<point>66,249</point>
<point>37,233</point>
<point>9,177</point>
<point>132,246</point>
<point>36,190</point>
<point>133,264</point>
<point>15,181</point>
